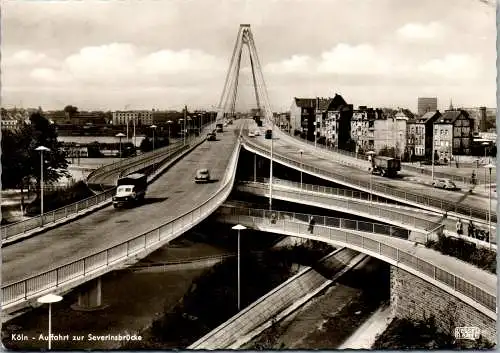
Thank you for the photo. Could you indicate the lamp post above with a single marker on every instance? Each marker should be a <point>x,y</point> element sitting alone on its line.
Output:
<point>154,128</point>
<point>168,124</point>
<point>120,135</point>
<point>301,166</point>
<point>371,154</point>
<point>271,168</point>
<point>189,126</point>
<point>41,149</point>
<point>489,166</point>
<point>49,299</point>
<point>239,227</point>
<point>485,144</point>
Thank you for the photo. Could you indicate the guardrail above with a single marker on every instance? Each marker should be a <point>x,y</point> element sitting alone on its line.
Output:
<point>485,301</point>
<point>334,222</point>
<point>334,150</point>
<point>374,187</point>
<point>92,266</point>
<point>371,209</point>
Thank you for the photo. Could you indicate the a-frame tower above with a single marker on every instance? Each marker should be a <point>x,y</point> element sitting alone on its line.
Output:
<point>230,92</point>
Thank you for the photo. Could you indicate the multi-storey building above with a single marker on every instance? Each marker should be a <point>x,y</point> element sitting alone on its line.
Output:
<point>426,104</point>
<point>140,117</point>
<point>303,115</point>
<point>362,127</point>
<point>443,138</point>
<point>390,132</point>
<point>420,134</point>
<point>9,124</point>
<point>453,134</point>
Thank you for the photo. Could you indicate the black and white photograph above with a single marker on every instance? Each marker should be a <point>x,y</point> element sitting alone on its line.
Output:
<point>248,175</point>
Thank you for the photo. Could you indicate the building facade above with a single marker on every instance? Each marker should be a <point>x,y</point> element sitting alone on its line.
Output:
<point>390,132</point>
<point>363,127</point>
<point>426,104</point>
<point>420,135</point>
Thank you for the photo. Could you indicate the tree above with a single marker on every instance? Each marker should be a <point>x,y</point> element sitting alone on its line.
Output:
<point>21,161</point>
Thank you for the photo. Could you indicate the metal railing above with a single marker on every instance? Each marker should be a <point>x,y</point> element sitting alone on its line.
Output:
<point>51,217</point>
<point>426,269</point>
<point>382,190</point>
<point>370,209</point>
<point>99,263</point>
<point>336,153</point>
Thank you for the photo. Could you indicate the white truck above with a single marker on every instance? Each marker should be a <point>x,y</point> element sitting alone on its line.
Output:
<point>130,190</point>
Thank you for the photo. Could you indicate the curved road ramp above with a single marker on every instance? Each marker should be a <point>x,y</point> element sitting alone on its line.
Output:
<point>103,176</point>
<point>278,303</point>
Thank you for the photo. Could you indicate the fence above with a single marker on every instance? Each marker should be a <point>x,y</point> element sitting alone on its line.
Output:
<point>245,214</point>
<point>452,282</point>
<point>96,264</point>
<point>372,209</point>
<point>373,187</point>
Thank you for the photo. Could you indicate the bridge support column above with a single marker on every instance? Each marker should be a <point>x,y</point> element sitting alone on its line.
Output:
<point>90,296</point>
<point>415,298</point>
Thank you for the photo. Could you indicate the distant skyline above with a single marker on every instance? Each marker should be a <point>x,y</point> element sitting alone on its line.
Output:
<point>149,54</point>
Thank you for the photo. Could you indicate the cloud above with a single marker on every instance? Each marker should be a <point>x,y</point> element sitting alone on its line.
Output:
<point>361,59</point>
<point>453,66</point>
<point>421,31</point>
<point>119,63</point>
<point>297,63</point>
<point>27,58</point>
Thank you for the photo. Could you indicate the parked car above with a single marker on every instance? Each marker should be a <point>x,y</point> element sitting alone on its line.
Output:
<point>211,136</point>
<point>202,176</point>
<point>446,184</point>
<point>257,132</point>
<point>251,134</point>
<point>269,134</point>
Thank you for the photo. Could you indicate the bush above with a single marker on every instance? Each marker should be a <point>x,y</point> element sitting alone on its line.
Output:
<point>466,251</point>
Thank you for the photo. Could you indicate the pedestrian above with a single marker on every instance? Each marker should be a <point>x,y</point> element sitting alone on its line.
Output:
<point>473,178</point>
<point>458,227</point>
<point>470,229</point>
<point>312,222</point>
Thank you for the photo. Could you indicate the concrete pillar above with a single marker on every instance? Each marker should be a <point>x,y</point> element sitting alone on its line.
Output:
<point>90,296</point>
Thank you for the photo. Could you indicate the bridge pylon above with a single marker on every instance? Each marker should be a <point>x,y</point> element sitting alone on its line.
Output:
<point>227,101</point>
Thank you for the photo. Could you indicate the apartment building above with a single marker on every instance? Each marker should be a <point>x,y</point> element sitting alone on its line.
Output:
<point>420,134</point>
<point>391,131</point>
<point>363,127</point>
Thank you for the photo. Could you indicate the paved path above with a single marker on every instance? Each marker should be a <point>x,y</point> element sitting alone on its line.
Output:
<point>173,194</point>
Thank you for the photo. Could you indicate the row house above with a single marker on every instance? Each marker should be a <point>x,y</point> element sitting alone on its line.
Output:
<point>363,127</point>
<point>453,134</point>
<point>420,135</point>
<point>391,132</point>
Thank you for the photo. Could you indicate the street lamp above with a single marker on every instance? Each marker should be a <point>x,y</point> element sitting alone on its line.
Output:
<point>154,128</point>
<point>489,166</point>
<point>168,124</point>
<point>189,126</point>
<point>49,299</point>
<point>183,126</point>
<point>371,154</point>
<point>271,168</point>
<point>301,166</point>
<point>239,227</point>
<point>41,149</point>
<point>485,144</point>
<point>120,135</point>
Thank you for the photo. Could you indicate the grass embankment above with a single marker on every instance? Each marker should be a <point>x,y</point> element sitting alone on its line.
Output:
<point>408,334</point>
<point>212,298</point>
<point>478,256</point>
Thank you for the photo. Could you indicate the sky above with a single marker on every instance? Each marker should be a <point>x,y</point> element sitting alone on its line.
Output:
<point>162,54</point>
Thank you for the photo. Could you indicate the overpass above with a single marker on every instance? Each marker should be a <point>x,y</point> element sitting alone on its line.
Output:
<point>460,279</point>
<point>74,253</point>
<point>444,202</point>
<point>343,200</point>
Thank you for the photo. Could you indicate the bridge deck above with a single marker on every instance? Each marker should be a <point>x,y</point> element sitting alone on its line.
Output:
<point>290,148</point>
<point>171,195</point>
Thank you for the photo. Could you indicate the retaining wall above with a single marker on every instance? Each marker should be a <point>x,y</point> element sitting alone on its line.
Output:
<point>412,297</point>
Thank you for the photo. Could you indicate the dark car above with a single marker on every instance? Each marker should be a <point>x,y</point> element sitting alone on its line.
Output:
<point>211,136</point>
<point>202,176</point>
<point>269,134</point>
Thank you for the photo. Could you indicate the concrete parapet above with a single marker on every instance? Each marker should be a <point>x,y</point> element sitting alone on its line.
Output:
<point>412,297</point>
